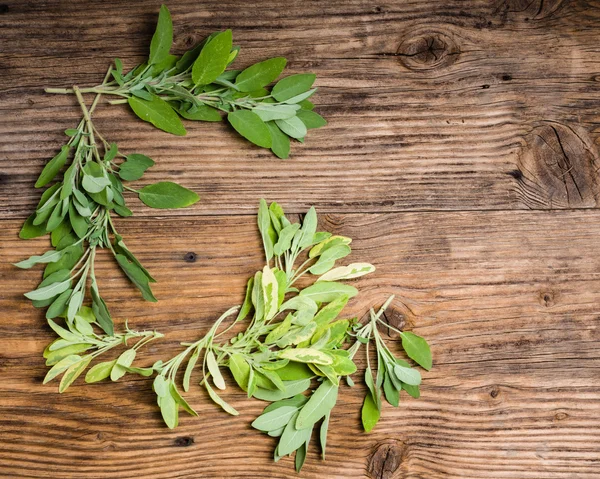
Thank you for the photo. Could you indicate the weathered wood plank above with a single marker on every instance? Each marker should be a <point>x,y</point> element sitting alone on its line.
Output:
<point>431,105</point>
<point>508,300</point>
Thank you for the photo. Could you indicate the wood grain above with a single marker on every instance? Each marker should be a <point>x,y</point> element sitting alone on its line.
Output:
<point>461,154</point>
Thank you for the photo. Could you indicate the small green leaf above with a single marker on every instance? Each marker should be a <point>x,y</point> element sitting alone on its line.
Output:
<point>292,438</point>
<point>292,127</point>
<point>247,305</point>
<point>266,229</point>
<point>61,366</point>
<point>165,195</point>
<point>409,376</point>
<point>159,113</point>
<point>94,178</point>
<point>311,119</point>
<point>29,230</point>
<point>218,400</point>
<point>260,74</point>
<point>320,404</point>
<point>73,373</point>
<point>292,388</point>
<point>162,38</point>
<point>137,276</point>
<point>169,409</point>
<point>213,368</point>
<point>201,113</point>
<point>326,291</point>
<point>293,85</point>
<point>240,370</point>
<point>100,371</point>
<point>213,59</point>
<point>49,291</point>
<point>53,167</point>
<point>274,419</point>
<point>323,434</point>
<point>392,395</point>
<point>280,142</point>
<point>250,126</point>
<point>50,256</point>
<point>123,361</point>
<point>134,167</point>
<point>417,349</point>
<point>306,355</point>
<point>370,413</point>
<point>189,368</point>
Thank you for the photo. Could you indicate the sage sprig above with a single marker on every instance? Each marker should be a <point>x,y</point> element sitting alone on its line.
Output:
<point>292,338</point>
<point>79,336</point>
<point>198,86</point>
<point>76,211</point>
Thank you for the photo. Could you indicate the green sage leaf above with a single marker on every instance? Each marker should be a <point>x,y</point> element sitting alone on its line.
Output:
<point>53,167</point>
<point>417,349</point>
<point>260,74</point>
<point>293,85</point>
<point>159,113</point>
<point>213,59</point>
<point>250,126</point>
<point>165,195</point>
<point>162,38</point>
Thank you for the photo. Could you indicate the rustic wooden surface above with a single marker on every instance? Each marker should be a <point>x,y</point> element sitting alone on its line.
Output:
<point>461,155</point>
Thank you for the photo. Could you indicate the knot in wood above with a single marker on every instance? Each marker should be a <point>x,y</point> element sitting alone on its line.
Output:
<point>184,441</point>
<point>385,460</point>
<point>559,167</point>
<point>190,257</point>
<point>428,50</point>
<point>395,318</point>
<point>530,9</point>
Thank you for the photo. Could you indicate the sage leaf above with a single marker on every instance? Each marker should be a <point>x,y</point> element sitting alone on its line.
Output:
<point>134,166</point>
<point>293,85</point>
<point>136,276</point>
<point>412,390</point>
<point>201,113</point>
<point>292,127</point>
<point>162,38</point>
<point>48,257</point>
<point>247,304</point>
<point>292,438</point>
<point>354,270</point>
<point>73,372</point>
<point>323,434</point>
<point>275,419</point>
<point>165,195</point>
<point>417,349</point>
<point>30,231</point>
<point>306,355</point>
<point>392,395</point>
<point>260,74</point>
<point>409,376</point>
<point>53,167</point>
<point>49,291</point>
<point>169,409</point>
<point>100,371</point>
<point>189,368</point>
<point>250,126</point>
<point>370,413</point>
<point>320,403</point>
<point>213,368</point>
<point>123,362</point>
<point>280,142</point>
<point>61,366</point>
<point>266,229</point>
<point>311,119</point>
<point>327,291</point>
<point>159,113</point>
<point>213,59</point>
<point>218,400</point>
<point>270,293</point>
<point>292,388</point>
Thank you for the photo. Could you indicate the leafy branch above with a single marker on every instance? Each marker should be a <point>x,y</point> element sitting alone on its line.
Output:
<point>197,86</point>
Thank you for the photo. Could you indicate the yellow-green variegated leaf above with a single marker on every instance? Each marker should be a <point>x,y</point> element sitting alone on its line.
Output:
<point>354,270</point>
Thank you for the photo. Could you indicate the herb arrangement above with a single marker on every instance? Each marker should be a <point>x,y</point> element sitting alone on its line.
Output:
<point>288,344</point>
<point>198,86</point>
<point>76,210</point>
<point>292,338</point>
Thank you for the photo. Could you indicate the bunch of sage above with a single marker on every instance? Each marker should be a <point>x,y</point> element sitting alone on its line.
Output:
<point>197,86</point>
<point>292,336</point>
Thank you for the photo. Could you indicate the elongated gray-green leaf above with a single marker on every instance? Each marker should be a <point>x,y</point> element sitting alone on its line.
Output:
<point>260,74</point>
<point>162,38</point>
<point>250,126</point>
<point>320,403</point>
<point>159,113</point>
<point>166,194</point>
<point>213,59</point>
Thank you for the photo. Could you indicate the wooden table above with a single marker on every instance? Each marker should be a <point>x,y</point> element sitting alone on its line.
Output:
<point>461,155</point>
